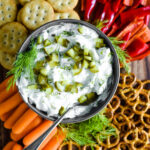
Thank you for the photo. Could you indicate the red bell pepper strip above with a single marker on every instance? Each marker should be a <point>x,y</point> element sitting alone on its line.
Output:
<point>131,14</point>
<point>141,56</point>
<point>90,4</point>
<point>102,1</point>
<point>128,2</point>
<point>147,19</point>
<point>125,39</point>
<point>82,5</point>
<point>136,3</point>
<point>114,28</point>
<point>137,47</point>
<point>106,8</point>
<point>116,5</point>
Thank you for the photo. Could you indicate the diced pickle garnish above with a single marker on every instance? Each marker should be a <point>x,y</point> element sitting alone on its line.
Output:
<point>85,64</point>
<point>88,58</point>
<point>47,42</point>
<point>62,41</point>
<point>44,72</point>
<point>99,43</point>
<point>68,88</point>
<point>94,69</point>
<point>91,95</point>
<point>92,64</point>
<point>82,99</point>
<point>61,111</point>
<point>76,70</point>
<point>55,57</point>
<point>71,88</point>
<point>76,48</point>
<point>48,50</point>
<point>81,30</point>
<point>79,84</point>
<point>33,86</point>
<point>53,64</point>
<point>48,88</point>
<point>71,53</point>
<point>42,79</point>
<point>39,40</point>
<point>86,51</point>
<point>78,58</point>
<point>39,65</point>
<point>59,86</point>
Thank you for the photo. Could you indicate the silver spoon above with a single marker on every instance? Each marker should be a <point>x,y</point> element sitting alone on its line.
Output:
<point>36,144</point>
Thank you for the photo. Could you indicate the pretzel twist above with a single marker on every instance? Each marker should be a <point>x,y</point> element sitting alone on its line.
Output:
<point>92,147</point>
<point>70,145</point>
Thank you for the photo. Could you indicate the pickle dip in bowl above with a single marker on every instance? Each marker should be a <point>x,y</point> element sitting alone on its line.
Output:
<point>74,63</point>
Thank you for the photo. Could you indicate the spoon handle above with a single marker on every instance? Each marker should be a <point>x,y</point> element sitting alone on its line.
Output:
<point>35,145</point>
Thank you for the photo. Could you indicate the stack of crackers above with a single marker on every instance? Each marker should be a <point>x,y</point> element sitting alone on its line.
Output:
<point>20,17</point>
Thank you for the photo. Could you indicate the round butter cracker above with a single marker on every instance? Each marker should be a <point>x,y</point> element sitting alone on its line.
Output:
<point>23,2</point>
<point>36,13</point>
<point>67,15</point>
<point>7,60</point>
<point>12,35</point>
<point>8,11</point>
<point>19,15</point>
<point>63,5</point>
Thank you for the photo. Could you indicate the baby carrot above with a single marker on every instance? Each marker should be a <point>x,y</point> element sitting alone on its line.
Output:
<point>24,121</point>
<point>9,145</point>
<point>49,137</point>
<point>10,104</point>
<point>37,132</point>
<point>16,115</point>
<point>4,84</point>
<point>5,116</point>
<point>37,121</point>
<point>5,94</point>
<point>55,142</point>
<point>17,147</point>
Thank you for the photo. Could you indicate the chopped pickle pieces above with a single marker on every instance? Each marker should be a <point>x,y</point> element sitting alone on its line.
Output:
<point>48,50</point>
<point>81,30</point>
<point>71,88</point>
<point>48,88</point>
<point>76,70</point>
<point>39,65</point>
<point>60,40</point>
<point>55,57</point>
<point>91,95</point>
<point>53,64</point>
<point>88,58</point>
<point>77,58</point>
<point>82,99</point>
<point>42,79</point>
<point>40,40</point>
<point>71,53</point>
<point>76,48</point>
<point>86,52</point>
<point>92,64</point>
<point>47,42</point>
<point>85,64</point>
<point>94,69</point>
<point>33,87</point>
<point>79,84</point>
<point>44,72</point>
<point>59,86</point>
<point>99,42</point>
<point>61,111</point>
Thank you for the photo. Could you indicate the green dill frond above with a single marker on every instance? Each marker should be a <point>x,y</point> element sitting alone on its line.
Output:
<point>122,55</point>
<point>24,63</point>
<point>100,24</point>
<point>86,132</point>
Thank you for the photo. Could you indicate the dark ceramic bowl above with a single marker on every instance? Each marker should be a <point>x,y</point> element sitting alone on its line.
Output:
<point>102,99</point>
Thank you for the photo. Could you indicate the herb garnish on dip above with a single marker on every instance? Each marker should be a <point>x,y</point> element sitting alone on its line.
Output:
<point>72,65</point>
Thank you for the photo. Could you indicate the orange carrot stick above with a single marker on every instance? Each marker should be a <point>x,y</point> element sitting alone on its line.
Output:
<point>5,116</point>
<point>10,104</point>
<point>55,142</point>
<point>146,35</point>
<point>37,121</point>
<point>5,94</point>
<point>24,121</point>
<point>128,2</point>
<point>9,145</point>
<point>17,147</point>
<point>49,137</point>
<point>16,115</point>
<point>4,84</point>
<point>37,132</point>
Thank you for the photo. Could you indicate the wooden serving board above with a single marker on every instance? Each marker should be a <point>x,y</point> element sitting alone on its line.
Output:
<point>140,68</point>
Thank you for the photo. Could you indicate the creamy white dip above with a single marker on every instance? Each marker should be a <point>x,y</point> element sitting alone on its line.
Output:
<point>92,82</point>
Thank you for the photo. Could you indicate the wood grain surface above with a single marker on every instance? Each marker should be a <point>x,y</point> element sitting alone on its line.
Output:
<point>140,68</point>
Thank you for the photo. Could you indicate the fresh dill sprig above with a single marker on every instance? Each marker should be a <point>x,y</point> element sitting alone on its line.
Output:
<point>86,132</point>
<point>24,63</point>
<point>100,24</point>
<point>122,55</point>
<point>68,33</point>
